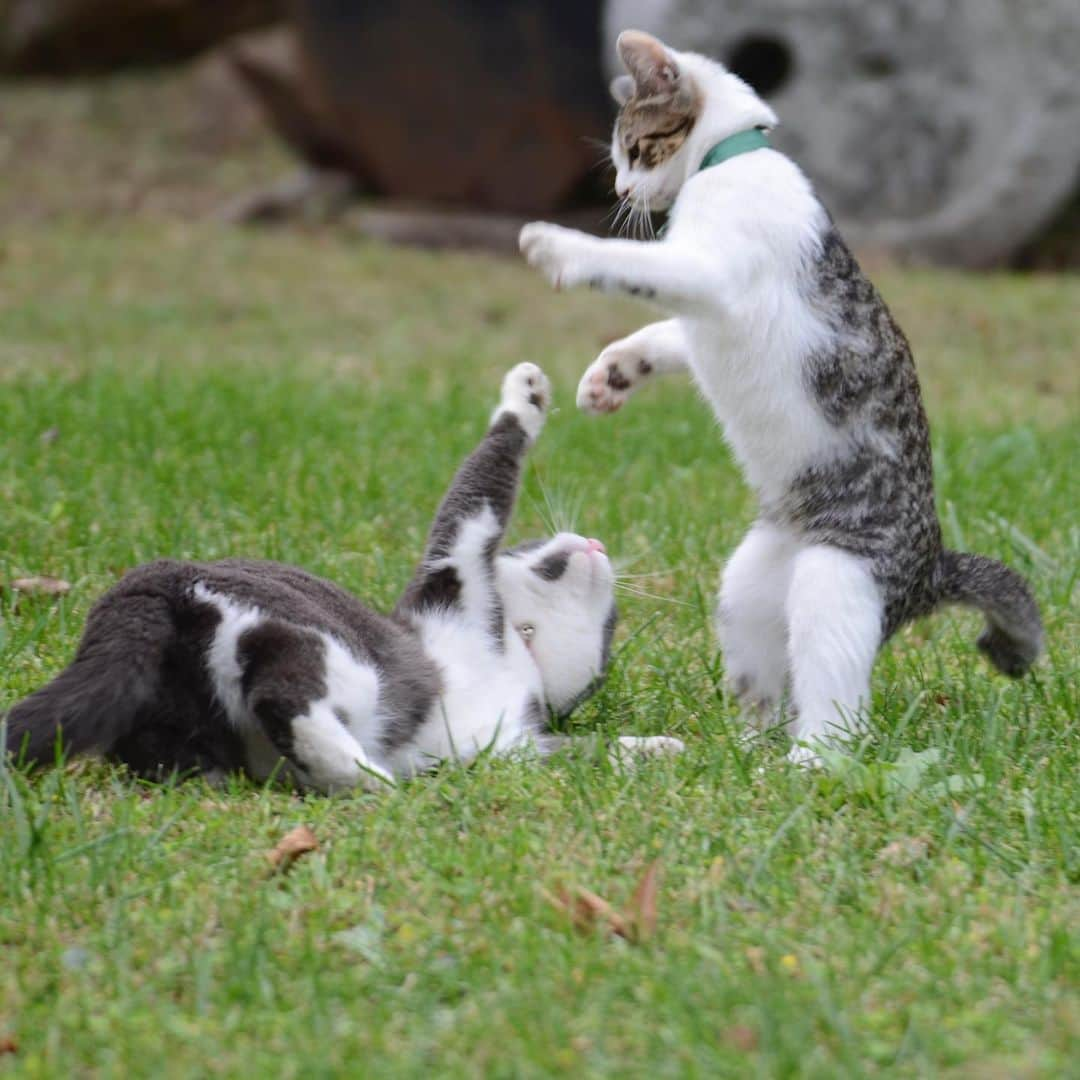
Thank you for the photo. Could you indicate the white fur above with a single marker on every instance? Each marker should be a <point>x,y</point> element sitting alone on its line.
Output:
<point>526,392</point>
<point>486,696</point>
<point>657,349</point>
<point>752,620</point>
<point>739,239</point>
<point>567,616</point>
<point>834,612</point>
<point>225,670</point>
<point>330,736</point>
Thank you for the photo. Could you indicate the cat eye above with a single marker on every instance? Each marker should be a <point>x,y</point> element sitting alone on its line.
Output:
<point>634,153</point>
<point>526,630</point>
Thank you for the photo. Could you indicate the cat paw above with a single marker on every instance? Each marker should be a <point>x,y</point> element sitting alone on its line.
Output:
<point>526,393</point>
<point>557,252</point>
<point>610,379</point>
<point>805,755</point>
<point>631,749</point>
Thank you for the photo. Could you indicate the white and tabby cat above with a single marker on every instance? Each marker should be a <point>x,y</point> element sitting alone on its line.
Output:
<point>812,380</point>
<point>215,667</point>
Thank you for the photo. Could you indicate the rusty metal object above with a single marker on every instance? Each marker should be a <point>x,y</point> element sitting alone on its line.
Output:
<point>486,103</point>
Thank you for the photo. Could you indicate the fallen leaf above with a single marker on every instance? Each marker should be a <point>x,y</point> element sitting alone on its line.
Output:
<point>642,909</point>
<point>291,846</point>
<point>41,586</point>
<point>586,909</point>
<point>8,1045</point>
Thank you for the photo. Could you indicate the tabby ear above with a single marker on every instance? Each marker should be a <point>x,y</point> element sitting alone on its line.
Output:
<point>652,66</point>
<point>622,89</point>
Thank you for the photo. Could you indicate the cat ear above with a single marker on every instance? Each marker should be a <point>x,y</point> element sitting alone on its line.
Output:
<point>652,66</point>
<point>622,89</point>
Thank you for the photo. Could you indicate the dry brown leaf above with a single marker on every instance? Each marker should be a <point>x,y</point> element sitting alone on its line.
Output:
<point>291,846</point>
<point>591,907</point>
<point>8,1045</point>
<point>642,910</point>
<point>41,585</point>
<point>586,909</point>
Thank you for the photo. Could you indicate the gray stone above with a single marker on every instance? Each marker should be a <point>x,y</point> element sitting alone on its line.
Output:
<point>942,130</point>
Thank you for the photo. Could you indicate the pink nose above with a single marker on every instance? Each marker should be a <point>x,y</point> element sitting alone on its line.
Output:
<point>596,545</point>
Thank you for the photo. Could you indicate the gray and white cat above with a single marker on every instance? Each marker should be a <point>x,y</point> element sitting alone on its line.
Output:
<point>813,383</point>
<point>226,666</point>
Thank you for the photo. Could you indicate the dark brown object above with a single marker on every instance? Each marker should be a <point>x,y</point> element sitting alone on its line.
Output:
<point>68,37</point>
<point>480,102</point>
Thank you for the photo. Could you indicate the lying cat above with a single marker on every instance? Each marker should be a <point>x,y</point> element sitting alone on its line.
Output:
<point>214,667</point>
<point>813,383</point>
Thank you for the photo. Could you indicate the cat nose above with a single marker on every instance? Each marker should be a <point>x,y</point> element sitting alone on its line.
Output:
<point>622,190</point>
<point>596,545</point>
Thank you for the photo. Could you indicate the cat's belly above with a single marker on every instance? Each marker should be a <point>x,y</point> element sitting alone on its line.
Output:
<point>773,426</point>
<point>489,701</point>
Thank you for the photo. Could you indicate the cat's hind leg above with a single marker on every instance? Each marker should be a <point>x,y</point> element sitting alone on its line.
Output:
<point>834,612</point>
<point>310,698</point>
<point>751,621</point>
<point>328,756</point>
<point>626,365</point>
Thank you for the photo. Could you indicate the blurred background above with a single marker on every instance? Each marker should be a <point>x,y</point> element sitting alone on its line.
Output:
<point>943,131</point>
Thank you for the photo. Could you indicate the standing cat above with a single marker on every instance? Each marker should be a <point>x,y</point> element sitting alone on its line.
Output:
<point>813,383</point>
<point>214,667</point>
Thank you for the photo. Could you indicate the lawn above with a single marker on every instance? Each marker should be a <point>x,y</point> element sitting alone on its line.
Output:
<point>193,391</point>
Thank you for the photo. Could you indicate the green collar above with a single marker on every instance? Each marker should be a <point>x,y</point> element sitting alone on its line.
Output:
<point>734,145</point>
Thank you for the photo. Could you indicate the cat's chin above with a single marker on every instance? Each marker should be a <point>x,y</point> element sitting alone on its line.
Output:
<point>655,204</point>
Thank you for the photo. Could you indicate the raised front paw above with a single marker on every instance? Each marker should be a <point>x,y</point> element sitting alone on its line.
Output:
<point>557,252</point>
<point>526,392</point>
<point>611,378</point>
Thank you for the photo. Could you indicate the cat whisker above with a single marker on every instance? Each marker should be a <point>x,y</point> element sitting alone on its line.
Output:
<point>642,594</point>
<point>627,561</point>
<point>648,574</point>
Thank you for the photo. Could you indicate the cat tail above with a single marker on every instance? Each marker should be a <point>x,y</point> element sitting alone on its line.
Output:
<point>94,701</point>
<point>1013,638</point>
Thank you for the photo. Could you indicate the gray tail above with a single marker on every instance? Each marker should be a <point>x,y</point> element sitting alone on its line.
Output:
<point>94,701</point>
<point>1013,638</point>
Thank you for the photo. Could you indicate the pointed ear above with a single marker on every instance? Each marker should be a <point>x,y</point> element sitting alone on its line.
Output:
<point>622,89</point>
<point>652,66</point>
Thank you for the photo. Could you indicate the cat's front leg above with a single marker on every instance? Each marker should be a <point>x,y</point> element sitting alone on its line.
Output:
<point>678,279</point>
<point>562,255</point>
<point>626,365</point>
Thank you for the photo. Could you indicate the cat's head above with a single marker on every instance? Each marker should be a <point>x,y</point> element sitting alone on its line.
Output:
<point>559,596</point>
<point>673,108</point>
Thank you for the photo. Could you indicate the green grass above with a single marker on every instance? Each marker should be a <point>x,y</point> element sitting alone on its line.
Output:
<point>186,391</point>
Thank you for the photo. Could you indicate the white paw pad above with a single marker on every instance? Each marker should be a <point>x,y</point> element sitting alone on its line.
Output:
<point>526,392</point>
